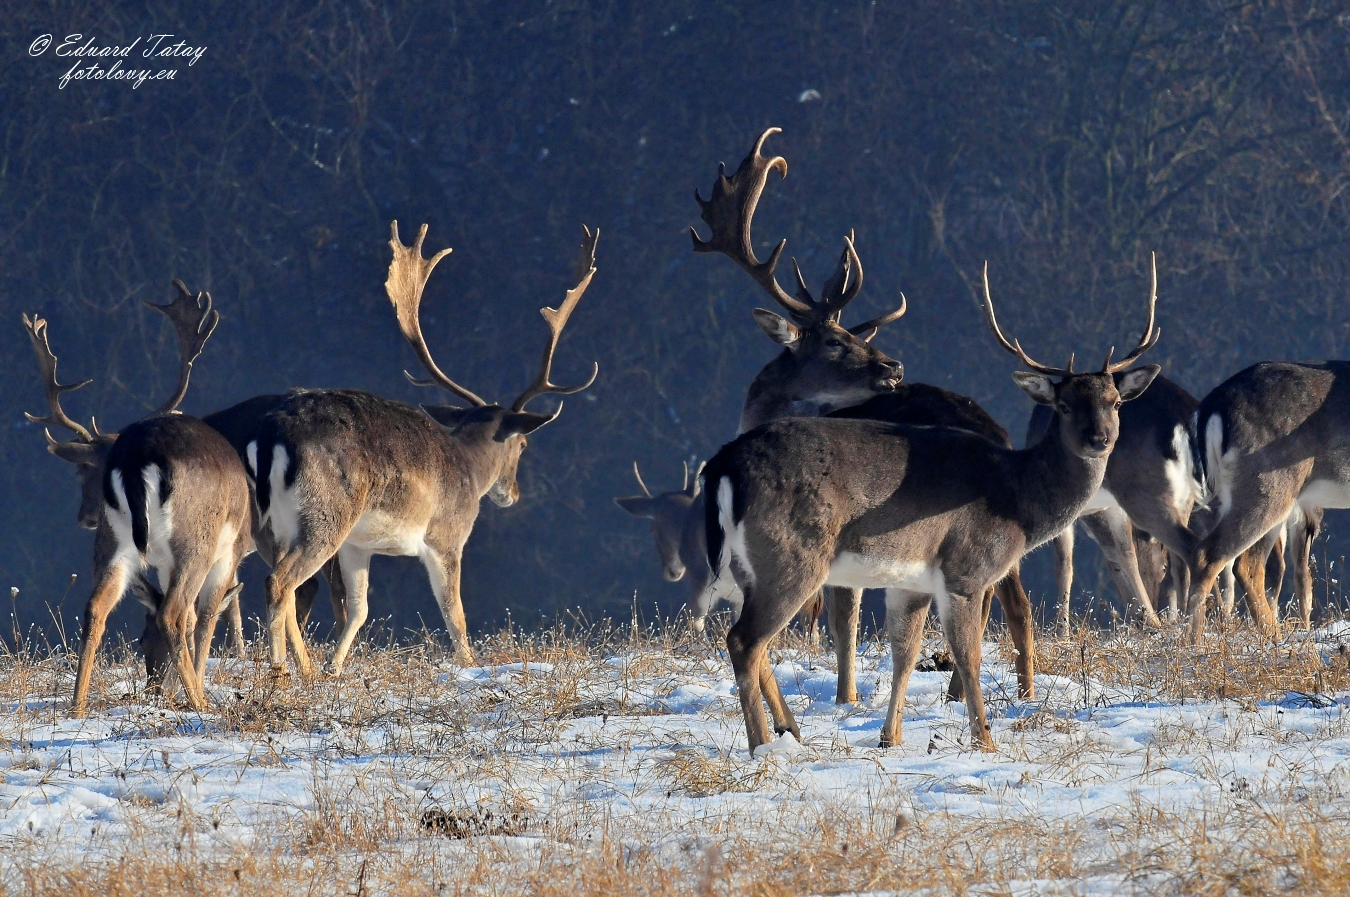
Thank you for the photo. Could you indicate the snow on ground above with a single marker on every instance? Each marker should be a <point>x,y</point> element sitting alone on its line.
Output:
<point>644,746</point>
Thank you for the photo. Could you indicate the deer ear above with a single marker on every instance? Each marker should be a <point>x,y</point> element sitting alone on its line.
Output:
<point>1037,386</point>
<point>74,452</point>
<point>637,505</point>
<point>1132,383</point>
<point>524,422</point>
<point>778,328</point>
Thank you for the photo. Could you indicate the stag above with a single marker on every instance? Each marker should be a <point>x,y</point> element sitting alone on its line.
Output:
<point>930,514</point>
<point>346,474</point>
<point>826,369</point>
<point>168,493</point>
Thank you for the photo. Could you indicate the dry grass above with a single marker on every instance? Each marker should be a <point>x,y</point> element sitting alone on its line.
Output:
<point>420,778</point>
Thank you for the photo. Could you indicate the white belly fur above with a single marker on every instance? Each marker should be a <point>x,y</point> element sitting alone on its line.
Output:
<point>382,534</point>
<point>1325,494</point>
<point>1101,500</point>
<point>851,570</point>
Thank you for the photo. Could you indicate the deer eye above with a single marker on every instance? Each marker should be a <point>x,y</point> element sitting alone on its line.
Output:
<point>1117,405</point>
<point>1063,407</point>
<point>834,343</point>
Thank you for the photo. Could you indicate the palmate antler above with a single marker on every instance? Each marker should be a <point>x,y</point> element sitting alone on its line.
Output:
<point>408,273</point>
<point>194,320</point>
<point>1151,334</point>
<point>730,212</point>
<point>37,334</point>
<point>557,320</point>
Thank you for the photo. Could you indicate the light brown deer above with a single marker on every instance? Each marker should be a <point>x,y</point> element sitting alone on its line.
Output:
<point>348,474</point>
<point>168,493</point>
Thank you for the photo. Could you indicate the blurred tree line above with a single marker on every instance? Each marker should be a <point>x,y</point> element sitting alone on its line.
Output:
<point>1062,142</point>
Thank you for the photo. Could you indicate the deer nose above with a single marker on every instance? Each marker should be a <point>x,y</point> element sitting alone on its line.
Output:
<point>1100,441</point>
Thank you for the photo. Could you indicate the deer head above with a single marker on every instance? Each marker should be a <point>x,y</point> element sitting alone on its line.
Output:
<point>668,513</point>
<point>1087,404</point>
<point>481,421</point>
<point>823,359</point>
<point>193,320</point>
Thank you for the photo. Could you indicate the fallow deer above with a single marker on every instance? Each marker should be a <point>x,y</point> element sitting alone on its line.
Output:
<point>348,474</point>
<point>928,513</point>
<point>678,527</point>
<point>167,493</point>
<point>825,368</point>
<point>1150,484</point>
<point>1271,437</point>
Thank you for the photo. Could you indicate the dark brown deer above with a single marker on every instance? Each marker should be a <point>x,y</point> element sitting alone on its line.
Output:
<point>677,520</point>
<point>1272,436</point>
<point>348,474</point>
<point>168,493</point>
<point>827,369</point>
<point>928,513</point>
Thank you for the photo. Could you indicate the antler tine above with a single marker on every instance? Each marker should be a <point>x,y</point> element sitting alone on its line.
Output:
<point>684,484</point>
<point>408,273</point>
<point>730,212</point>
<point>1151,330</point>
<point>557,320</point>
<point>1013,347</point>
<point>37,333</point>
<point>645,491</point>
<point>846,282</point>
<point>193,320</point>
<point>878,322</point>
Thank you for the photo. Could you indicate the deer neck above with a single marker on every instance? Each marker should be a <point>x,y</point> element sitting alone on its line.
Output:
<point>481,454</point>
<point>774,394</point>
<point>1054,484</point>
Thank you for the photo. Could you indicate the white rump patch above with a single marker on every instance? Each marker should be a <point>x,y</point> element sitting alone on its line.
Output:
<point>158,518</point>
<point>283,510</point>
<point>733,536</point>
<point>251,453</point>
<point>1181,479</point>
<point>1219,464</point>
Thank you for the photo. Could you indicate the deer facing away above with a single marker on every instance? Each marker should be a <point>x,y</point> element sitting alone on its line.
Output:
<point>929,514</point>
<point>348,474</point>
<point>168,493</point>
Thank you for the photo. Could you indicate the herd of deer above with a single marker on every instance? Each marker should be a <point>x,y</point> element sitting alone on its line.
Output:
<point>844,477</point>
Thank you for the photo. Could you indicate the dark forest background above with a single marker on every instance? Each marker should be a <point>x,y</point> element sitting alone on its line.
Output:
<point>1062,142</point>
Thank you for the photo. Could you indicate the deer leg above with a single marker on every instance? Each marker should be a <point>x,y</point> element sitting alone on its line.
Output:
<point>960,618</point>
<point>956,689</point>
<point>1252,515</point>
<point>337,592</point>
<point>108,590</point>
<point>809,617</point>
<point>747,646</point>
<point>906,613</point>
<point>844,607</point>
<point>1063,577</point>
<point>443,570</point>
<point>219,590</point>
<point>305,593</point>
<point>1021,629</point>
<point>177,618</point>
<point>355,581</point>
<point>783,720</point>
<point>1301,543</point>
<point>1152,557</point>
<point>1112,531</point>
<point>234,613</point>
